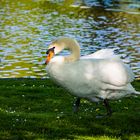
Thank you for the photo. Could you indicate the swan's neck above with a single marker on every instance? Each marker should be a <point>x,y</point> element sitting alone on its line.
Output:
<point>72,45</point>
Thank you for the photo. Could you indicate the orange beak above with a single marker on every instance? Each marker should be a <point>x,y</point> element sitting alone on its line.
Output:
<point>49,56</point>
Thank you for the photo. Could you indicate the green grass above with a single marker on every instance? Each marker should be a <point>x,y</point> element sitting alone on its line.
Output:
<point>38,109</point>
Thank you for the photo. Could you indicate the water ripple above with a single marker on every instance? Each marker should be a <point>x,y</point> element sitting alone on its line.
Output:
<point>27,28</point>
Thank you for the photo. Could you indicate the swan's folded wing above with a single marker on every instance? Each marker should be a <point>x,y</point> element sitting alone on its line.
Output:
<point>114,72</point>
<point>117,71</point>
<point>110,71</point>
<point>102,54</point>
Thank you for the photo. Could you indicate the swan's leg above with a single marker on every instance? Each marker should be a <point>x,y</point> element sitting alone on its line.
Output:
<point>109,110</point>
<point>76,105</point>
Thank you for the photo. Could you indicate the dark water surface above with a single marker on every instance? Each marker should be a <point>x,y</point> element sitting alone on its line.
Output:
<point>27,27</point>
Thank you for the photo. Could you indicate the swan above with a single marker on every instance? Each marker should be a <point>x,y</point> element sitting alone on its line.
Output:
<point>101,76</point>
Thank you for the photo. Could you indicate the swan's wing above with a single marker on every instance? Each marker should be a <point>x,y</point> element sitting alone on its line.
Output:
<point>92,74</point>
<point>109,54</point>
<point>101,54</point>
<point>110,71</point>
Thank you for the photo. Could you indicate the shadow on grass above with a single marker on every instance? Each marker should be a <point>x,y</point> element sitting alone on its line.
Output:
<point>35,108</point>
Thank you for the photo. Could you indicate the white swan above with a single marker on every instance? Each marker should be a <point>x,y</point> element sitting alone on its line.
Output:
<point>99,76</point>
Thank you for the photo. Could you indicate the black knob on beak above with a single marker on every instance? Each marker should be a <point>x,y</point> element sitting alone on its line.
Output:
<point>51,49</point>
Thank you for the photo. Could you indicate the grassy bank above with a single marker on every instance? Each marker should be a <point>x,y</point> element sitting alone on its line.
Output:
<point>39,109</point>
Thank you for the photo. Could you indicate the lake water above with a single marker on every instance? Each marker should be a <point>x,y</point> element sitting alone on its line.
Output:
<point>27,27</point>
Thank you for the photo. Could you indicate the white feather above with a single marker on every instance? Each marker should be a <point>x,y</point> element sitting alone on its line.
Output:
<point>101,75</point>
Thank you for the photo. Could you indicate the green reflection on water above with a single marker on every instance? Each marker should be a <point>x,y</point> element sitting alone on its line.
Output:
<point>27,28</point>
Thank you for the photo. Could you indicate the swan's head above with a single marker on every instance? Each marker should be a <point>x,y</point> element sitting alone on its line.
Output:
<point>50,54</point>
<point>54,48</point>
<point>61,43</point>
